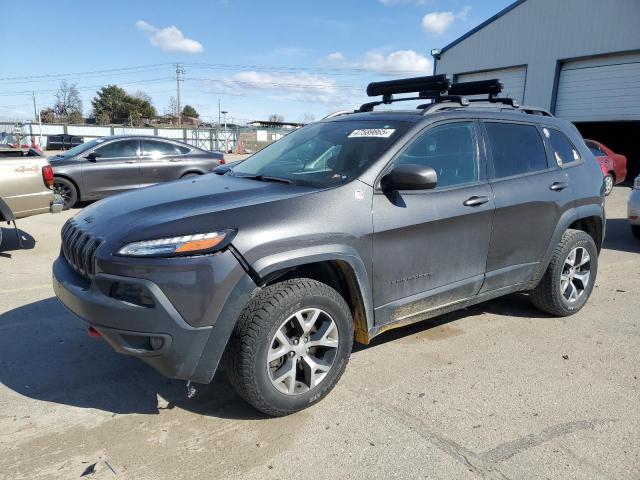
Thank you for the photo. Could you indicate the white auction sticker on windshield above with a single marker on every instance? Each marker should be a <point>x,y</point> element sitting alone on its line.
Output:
<point>372,132</point>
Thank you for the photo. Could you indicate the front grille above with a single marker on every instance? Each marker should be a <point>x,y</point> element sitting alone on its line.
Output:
<point>79,248</point>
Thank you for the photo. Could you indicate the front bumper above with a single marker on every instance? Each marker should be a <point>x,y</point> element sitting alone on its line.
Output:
<point>157,334</point>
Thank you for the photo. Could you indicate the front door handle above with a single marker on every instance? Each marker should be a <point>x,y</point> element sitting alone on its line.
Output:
<point>130,161</point>
<point>558,186</point>
<point>175,159</point>
<point>475,201</point>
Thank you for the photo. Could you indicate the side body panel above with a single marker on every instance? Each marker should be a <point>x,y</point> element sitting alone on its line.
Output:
<point>22,186</point>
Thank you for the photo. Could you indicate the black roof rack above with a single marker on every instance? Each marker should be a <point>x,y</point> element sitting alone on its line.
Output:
<point>442,92</point>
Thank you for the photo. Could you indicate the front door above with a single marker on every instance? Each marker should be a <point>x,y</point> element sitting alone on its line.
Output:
<point>115,168</point>
<point>430,247</point>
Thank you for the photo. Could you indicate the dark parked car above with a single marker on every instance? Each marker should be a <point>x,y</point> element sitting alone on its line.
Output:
<point>63,142</point>
<point>613,165</point>
<point>109,165</point>
<point>347,227</point>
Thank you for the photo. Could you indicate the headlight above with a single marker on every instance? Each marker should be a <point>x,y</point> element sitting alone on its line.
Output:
<point>636,182</point>
<point>185,245</point>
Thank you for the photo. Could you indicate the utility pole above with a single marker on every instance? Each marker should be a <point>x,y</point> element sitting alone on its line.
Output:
<point>36,117</point>
<point>226,144</point>
<point>179,71</point>
<point>218,129</point>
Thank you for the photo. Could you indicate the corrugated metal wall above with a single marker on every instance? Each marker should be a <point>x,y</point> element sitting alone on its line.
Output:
<point>541,34</point>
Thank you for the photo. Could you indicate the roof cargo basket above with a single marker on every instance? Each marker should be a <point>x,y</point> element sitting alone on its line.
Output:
<point>442,93</point>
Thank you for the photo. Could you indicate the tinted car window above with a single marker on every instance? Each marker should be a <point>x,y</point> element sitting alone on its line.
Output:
<point>515,148</point>
<point>563,150</point>
<point>449,149</point>
<point>596,151</point>
<point>153,148</point>
<point>323,154</point>
<point>122,148</point>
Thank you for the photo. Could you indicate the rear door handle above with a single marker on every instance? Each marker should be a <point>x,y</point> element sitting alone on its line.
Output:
<point>175,159</point>
<point>475,201</point>
<point>130,161</point>
<point>557,186</point>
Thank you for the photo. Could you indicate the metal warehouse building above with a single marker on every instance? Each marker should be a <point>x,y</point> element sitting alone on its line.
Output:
<point>580,59</point>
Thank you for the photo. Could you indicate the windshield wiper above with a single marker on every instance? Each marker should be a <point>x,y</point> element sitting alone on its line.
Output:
<point>265,178</point>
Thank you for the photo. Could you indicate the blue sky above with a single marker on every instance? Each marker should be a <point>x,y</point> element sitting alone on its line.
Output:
<point>293,58</point>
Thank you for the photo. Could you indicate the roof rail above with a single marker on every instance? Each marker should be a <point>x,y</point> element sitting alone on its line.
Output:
<point>338,114</point>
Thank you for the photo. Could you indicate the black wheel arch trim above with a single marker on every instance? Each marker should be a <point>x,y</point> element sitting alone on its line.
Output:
<point>6,212</point>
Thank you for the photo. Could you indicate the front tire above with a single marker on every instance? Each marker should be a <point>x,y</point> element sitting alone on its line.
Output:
<point>67,190</point>
<point>290,346</point>
<point>570,276</point>
<point>635,230</point>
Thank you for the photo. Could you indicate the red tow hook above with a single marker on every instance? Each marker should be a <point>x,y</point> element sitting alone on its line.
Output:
<point>93,332</point>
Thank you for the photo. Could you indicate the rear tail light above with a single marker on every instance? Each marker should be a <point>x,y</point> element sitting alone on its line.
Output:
<point>47,176</point>
<point>222,162</point>
<point>603,167</point>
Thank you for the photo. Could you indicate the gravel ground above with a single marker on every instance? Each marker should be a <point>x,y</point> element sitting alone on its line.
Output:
<point>497,391</point>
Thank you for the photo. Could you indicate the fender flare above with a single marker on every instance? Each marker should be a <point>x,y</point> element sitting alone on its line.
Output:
<point>567,218</point>
<point>322,253</point>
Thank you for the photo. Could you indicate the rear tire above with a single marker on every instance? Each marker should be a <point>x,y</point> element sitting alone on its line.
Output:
<point>570,276</point>
<point>635,230</point>
<point>67,190</point>
<point>609,182</point>
<point>282,356</point>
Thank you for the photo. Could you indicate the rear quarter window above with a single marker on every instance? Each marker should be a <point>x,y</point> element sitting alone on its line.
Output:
<point>562,149</point>
<point>516,149</point>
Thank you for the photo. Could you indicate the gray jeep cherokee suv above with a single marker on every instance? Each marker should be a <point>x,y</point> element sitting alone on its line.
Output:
<point>343,229</point>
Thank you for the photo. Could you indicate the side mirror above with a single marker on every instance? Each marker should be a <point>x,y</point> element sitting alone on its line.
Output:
<point>92,156</point>
<point>410,177</point>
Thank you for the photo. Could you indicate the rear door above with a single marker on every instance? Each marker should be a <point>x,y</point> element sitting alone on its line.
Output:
<point>531,194</point>
<point>430,246</point>
<point>161,161</point>
<point>115,169</point>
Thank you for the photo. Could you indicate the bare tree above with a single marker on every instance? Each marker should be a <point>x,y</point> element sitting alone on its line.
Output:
<point>142,95</point>
<point>308,117</point>
<point>172,108</point>
<point>68,106</point>
<point>274,117</point>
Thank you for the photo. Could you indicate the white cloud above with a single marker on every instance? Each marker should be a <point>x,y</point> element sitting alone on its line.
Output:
<point>301,86</point>
<point>169,39</point>
<point>398,62</point>
<point>390,3</point>
<point>437,23</point>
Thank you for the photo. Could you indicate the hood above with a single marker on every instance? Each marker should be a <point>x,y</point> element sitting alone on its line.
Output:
<point>191,204</point>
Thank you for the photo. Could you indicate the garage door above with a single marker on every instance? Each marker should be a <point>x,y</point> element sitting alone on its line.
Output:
<point>600,89</point>
<point>512,78</point>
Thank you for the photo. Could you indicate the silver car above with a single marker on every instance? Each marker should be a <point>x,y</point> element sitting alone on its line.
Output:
<point>109,165</point>
<point>633,208</point>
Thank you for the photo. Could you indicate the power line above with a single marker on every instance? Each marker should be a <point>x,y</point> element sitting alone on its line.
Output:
<point>54,75</point>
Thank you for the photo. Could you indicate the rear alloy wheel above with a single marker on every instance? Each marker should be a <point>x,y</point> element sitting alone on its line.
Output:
<point>290,346</point>
<point>570,276</point>
<point>67,190</point>
<point>608,184</point>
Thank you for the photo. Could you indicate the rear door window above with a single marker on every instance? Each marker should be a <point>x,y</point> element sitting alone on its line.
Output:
<point>158,149</point>
<point>516,149</point>
<point>562,149</point>
<point>119,149</point>
<point>449,149</point>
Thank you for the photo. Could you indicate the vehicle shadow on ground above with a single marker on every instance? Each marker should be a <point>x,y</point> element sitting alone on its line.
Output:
<point>619,237</point>
<point>10,241</point>
<point>47,355</point>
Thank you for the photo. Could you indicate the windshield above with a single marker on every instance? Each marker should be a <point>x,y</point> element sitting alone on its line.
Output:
<point>323,154</point>
<point>82,147</point>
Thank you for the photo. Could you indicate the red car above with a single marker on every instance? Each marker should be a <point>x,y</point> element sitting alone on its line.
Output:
<point>614,165</point>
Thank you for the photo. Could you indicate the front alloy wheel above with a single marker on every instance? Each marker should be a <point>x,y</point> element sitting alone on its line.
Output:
<point>302,351</point>
<point>290,346</point>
